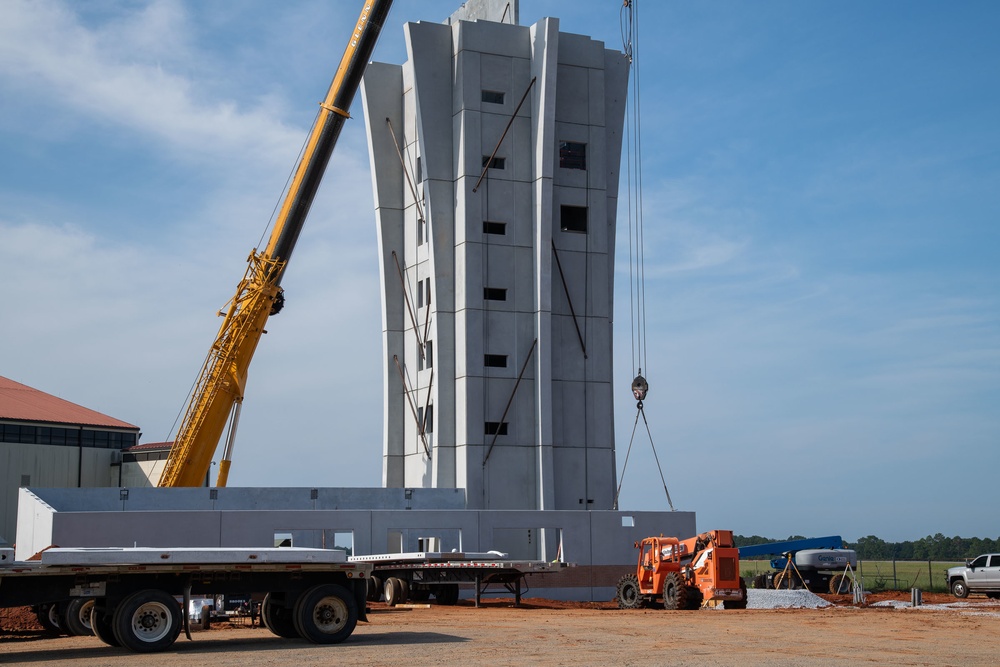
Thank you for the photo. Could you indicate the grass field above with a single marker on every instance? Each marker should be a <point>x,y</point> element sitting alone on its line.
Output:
<point>880,575</point>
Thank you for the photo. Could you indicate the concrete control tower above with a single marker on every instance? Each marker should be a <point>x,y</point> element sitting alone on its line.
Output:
<point>495,151</point>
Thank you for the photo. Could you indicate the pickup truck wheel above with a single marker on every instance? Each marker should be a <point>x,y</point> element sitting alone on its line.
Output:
<point>674,592</point>
<point>278,618</point>
<point>959,589</point>
<point>629,596</point>
<point>326,614</point>
<point>101,623</point>
<point>147,621</point>
<point>76,618</point>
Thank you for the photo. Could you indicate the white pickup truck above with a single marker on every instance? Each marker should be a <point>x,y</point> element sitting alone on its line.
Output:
<point>981,575</point>
<point>130,597</point>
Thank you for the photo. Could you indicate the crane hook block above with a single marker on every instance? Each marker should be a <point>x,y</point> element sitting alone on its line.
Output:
<point>639,387</point>
<point>279,302</point>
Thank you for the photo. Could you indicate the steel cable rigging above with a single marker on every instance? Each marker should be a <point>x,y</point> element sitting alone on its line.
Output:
<point>629,22</point>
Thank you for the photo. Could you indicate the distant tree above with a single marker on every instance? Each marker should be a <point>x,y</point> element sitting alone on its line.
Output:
<point>932,547</point>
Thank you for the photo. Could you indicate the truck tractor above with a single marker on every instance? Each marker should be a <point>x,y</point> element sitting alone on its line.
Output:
<point>684,574</point>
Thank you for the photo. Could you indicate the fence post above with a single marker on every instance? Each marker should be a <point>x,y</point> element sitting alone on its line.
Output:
<point>895,584</point>
<point>930,576</point>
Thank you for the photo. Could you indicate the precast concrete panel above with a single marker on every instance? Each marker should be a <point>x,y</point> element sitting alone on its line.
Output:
<point>495,74</point>
<point>595,102</point>
<point>467,94</point>
<point>598,295</point>
<point>571,464</point>
<point>430,56</point>
<point>510,492</point>
<point>492,38</point>
<point>581,51</point>
<point>573,95</point>
<point>597,160</point>
<point>499,205</point>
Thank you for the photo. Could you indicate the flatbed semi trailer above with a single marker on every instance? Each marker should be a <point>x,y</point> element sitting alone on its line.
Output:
<point>131,596</point>
<point>417,576</point>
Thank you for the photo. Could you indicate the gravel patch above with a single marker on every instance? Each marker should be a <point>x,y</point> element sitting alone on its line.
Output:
<point>759,598</point>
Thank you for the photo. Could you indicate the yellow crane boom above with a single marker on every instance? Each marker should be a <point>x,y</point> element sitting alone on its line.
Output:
<point>218,392</point>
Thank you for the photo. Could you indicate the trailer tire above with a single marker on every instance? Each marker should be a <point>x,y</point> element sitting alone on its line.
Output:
<point>374,589</point>
<point>326,614</point>
<point>76,617</point>
<point>278,618</point>
<point>674,592</point>
<point>101,623</point>
<point>147,621</point>
<point>959,588</point>
<point>48,617</point>
<point>628,594</point>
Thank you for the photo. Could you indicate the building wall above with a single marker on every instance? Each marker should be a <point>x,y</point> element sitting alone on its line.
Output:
<point>598,543</point>
<point>438,258</point>
<point>48,465</point>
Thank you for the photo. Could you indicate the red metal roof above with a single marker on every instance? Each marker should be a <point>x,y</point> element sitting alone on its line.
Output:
<point>22,403</point>
<point>149,446</point>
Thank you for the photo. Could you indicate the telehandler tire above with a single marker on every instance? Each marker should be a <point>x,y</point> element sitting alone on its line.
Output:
<point>628,594</point>
<point>674,592</point>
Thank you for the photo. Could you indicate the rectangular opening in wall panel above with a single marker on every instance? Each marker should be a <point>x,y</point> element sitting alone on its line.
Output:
<point>572,155</point>
<point>498,228</point>
<point>496,428</point>
<point>573,218</point>
<point>492,97</point>
<point>530,543</point>
<point>494,294</point>
<point>498,163</point>
<point>495,360</point>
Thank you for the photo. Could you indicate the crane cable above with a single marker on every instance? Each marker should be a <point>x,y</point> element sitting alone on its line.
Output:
<point>629,23</point>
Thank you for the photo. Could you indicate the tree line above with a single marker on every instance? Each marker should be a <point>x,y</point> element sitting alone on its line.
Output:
<point>932,547</point>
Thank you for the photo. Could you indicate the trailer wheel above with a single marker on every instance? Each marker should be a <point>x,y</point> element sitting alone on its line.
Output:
<point>628,594</point>
<point>101,623</point>
<point>76,618</point>
<point>48,617</point>
<point>326,614</point>
<point>278,618</point>
<point>374,589</point>
<point>147,621</point>
<point>674,592</point>
<point>959,589</point>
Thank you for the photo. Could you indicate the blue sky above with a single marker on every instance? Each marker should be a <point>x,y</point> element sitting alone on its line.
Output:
<point>822,244</point>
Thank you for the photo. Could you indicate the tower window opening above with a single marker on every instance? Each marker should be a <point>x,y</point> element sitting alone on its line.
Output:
<point>496,163</point>
<point>498,228</point>
<point>496,428</point>
<point>493,97</point>
<point>573,219</point>
<point>494,294</point>
<point>572,155</point>
<point>495,360</point>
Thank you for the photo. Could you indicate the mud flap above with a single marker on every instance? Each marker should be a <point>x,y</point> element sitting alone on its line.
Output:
<point>360,589</point>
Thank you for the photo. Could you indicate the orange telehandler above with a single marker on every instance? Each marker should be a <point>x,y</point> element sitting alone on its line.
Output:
<point>684,574</point>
